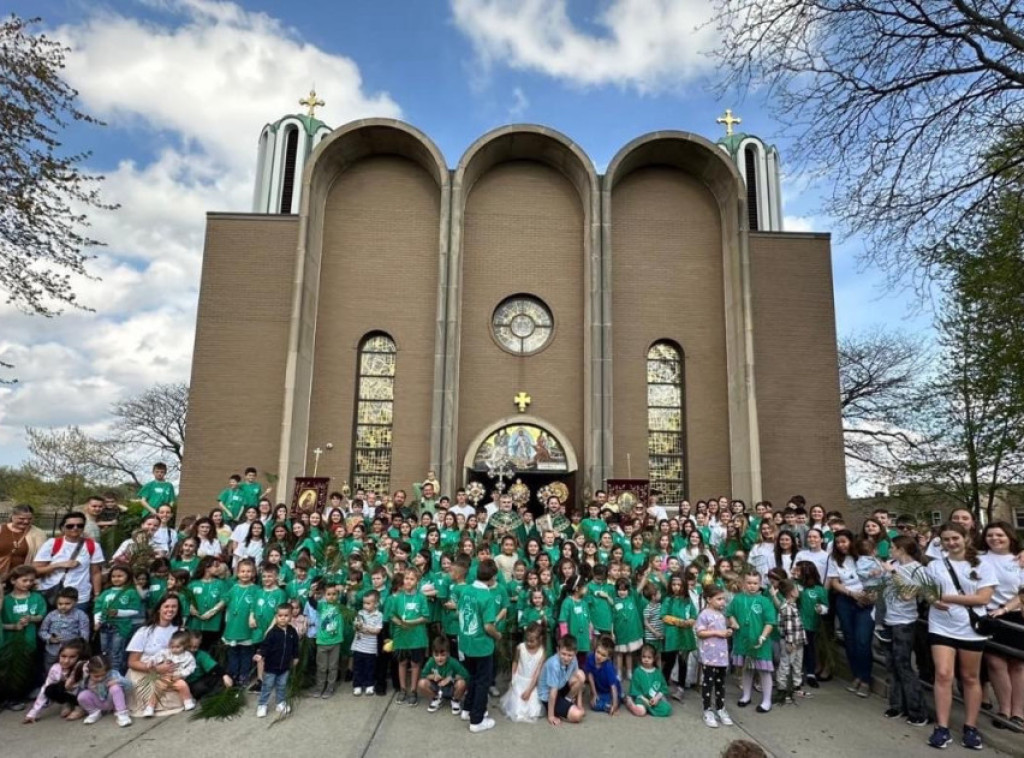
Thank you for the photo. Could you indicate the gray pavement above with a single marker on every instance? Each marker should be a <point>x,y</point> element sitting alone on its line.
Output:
<point>833,723</point>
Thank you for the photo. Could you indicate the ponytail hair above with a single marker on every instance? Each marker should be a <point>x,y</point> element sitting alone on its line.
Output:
<point>569,588</point>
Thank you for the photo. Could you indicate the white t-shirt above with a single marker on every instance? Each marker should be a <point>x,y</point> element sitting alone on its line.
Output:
<point>897,610</point>
<point>210,547</point>
<point>1009,577</point>
<point>847,573</point>
<point>818,557</point>
<point>151,641</point>
<point>762,557</point>
<point>956,622</point>
<point>934,549</point>
<point>81,577</point>
<point>164,539</point>
<point>240,532</point>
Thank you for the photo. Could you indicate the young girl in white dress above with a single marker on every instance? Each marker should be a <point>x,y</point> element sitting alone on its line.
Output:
<point>521,703</point>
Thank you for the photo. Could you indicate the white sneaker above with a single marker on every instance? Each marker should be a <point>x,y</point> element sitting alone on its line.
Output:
<point>189,705</point>
<point>435,705</point>
<point>368,691</point>
<point>123,719</point>
<point>483,726</point>
<point>465,716</point>
<point>93,717</point>
<point>724,717</point>
<point>710,720</point>
<point>456,707</point>
<point>283,708</point>
<point>147,712</point>
<point>494,691</point>
<point>357,691</point>
<point>261,711</point>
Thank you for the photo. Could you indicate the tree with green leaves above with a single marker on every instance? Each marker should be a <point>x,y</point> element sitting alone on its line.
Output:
<point>44,192</point>
<point>901,104</point>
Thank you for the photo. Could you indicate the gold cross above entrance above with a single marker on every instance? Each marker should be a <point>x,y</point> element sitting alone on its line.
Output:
<point>522,400</point>
<point>729,120</point>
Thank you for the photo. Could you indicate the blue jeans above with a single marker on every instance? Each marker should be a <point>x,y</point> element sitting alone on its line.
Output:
<point>858,627</point>
<point>239,663</point>
<point>113,644</point>
<point>273,682</point>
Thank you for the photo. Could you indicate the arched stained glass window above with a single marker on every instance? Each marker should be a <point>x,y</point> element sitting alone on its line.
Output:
<point>666,423</point>
<point>375,404</point>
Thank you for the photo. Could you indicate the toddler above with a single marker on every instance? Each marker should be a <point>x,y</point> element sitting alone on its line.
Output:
<point>178,653</point>
<point>369,622</point>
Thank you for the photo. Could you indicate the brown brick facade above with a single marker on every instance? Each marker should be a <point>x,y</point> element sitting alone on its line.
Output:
<point>390,240</point>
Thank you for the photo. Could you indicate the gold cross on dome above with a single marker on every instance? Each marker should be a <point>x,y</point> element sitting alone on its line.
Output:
<point>729,120</point>
<point>312,102</point>
<point>522,400</point>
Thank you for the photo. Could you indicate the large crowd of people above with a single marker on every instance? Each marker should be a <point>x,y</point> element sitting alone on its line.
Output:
<point>595,611</point>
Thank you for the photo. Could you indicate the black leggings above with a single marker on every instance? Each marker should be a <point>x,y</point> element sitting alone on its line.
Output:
<point>712,688</point>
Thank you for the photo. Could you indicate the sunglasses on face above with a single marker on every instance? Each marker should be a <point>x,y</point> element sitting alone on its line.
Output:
<point>74,526</point>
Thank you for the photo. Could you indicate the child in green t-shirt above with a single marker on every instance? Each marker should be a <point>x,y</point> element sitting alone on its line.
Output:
<point>231,500</point>
<point>157,492</point>
<point>574,614</point>
<point>408,612</point>
<point>22,612</point>
<point>116,612</point>
<point>648,690</point>
<point>443,677</point>
<point>752,616</point>
<point>238,621</point>
<point>330,633</point>
<point>252,490</point>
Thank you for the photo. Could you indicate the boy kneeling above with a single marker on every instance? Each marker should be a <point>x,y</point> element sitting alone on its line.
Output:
<point>560,686</point>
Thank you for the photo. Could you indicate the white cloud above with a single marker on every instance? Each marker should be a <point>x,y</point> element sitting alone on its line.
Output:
<point>647,45</point>
<point>800,224</point>
<point>197,90</point>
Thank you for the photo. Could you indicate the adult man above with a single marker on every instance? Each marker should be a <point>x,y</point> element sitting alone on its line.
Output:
<point>549,522</point>
<point>94,526</point>
<point>19,540</point>
<point>369,504</point>
<point>428,499</point>
<point>400,507</point>
<point>462,505</point>
<point>71,560</point>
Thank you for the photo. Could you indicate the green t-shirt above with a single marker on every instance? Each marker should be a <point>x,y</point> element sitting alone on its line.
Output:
<point>119,599</point>
<point>15,608</point>
<point>647,683</point>
<point>189,565</point>
<point>752,613</point>
<point>477,609</point>
<point>601,615</point>
<point>628,623</point>
<point>264,610</point>
<point>205,595</point>
<point>234,500</point>
<point>575,614</point>
<point>451,668</point>
<point>158,493</point>
<point>331,628</point>
<point>299,590</point>
<point>251,493</point>
<point>679,638</point>
<point>205,663</point>
<point>593,528</point>
<point>809,598</point>
<point>408,606</point>
<point>240,601</point>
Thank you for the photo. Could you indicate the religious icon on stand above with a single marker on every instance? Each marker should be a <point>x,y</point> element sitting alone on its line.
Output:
<point>310,494</point>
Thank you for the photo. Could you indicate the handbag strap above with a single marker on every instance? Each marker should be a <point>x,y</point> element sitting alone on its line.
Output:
<point>74,555</point>
<point>953,576</point>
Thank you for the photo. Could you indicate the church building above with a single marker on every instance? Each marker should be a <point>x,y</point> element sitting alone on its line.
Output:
<point>515,312</point>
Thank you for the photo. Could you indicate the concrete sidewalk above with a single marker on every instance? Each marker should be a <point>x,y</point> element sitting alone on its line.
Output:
<point>833,723</point>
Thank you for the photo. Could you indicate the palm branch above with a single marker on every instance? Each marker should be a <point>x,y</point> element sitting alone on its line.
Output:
<point>221,706</point>
<point>296,682</point>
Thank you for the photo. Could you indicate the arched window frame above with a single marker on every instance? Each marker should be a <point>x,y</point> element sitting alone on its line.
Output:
<point>373,422</point>
<point>751,166</point>
<point>289,161</point>
<point>666,420</point>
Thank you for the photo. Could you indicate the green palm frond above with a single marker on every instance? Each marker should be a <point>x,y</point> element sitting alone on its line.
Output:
<point>221,706</point>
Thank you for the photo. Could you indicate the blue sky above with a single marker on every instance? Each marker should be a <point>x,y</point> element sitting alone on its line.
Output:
<point>186,85</point>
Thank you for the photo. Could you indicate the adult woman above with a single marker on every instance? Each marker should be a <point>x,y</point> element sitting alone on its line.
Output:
<point>220,528</point>
<point>142,536</point>
<point>1006,674</point>
<point>695,548</point>
<point>762,554</point>
<point>964,582</point>
<point>147,643</point>
<point>874,530</point>
<point>785,551</point>
<point>961,516</point>
<point>853,607</point>
<point>817,519</point>
<point>206,534</point>
<point>252,545</point>
<point>19,540</point>
<point>814,550</point>
<point>165,537</point>
<point>71,561</point>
